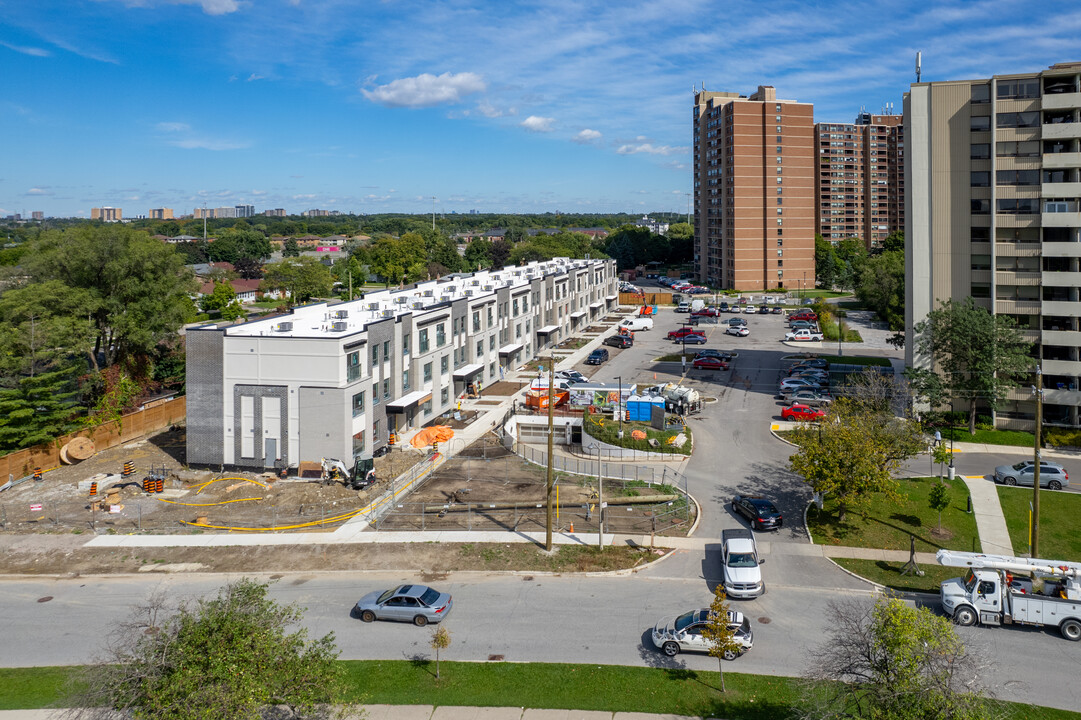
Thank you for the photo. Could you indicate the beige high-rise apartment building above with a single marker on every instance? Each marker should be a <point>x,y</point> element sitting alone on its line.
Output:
<point>754,190</point>
<point>161,213</point>
<point>993,195</point>
<point>860,178</point>
<point>107,214</point>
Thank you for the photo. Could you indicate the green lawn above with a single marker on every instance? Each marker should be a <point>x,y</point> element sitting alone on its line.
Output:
<point>888,573</point>
<point>887,524</point>
<point>1059,539</point>
<point>609,688</point>
<point>1017,438</point>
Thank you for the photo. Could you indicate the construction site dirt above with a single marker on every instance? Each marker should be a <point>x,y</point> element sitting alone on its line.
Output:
<point>43,525</point>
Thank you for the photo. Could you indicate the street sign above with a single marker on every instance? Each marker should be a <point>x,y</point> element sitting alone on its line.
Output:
<point>36,507</point>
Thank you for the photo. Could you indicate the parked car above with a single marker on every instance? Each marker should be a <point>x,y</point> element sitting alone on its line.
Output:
<point>733,308</point>
<point>1052,475</point>
<point>763,309</point>
<point>798,324</point>
<point>797,369</point>
<point>760,513</point>
<point>706,312</point>
<point>814,362</point>
<point>418,604</point>
<point>790,384</point>
<point>802,412</point>
<point>803,335</point>
<point>709,363</point>
<point>618,341</point>
<point>597,357</point>
<point>749,310</point>
<point>692,339</point>
<point>814,398</point>
<point>679,333</point>
<point>821,378</point>
<point>741,564</point>
<point>710,352</point>
<point>737,321</point>
<point>777,310</point>
<point>723,307</point>
<point>672,635</point>
<point>803,315</point>
<point>683,307</point>
<point>738,330</point>
<point>572,375</point>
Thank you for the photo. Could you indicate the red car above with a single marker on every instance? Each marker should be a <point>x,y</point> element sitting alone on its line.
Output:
<point>802,412</point>
<point>678,334</point>
<point>705,312</point>
<point>803,315</point>
<point>710,363</point>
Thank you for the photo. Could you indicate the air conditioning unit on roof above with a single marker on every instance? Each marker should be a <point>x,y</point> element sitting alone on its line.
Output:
<point>487,288</point>
<point>401,300</point>
<point>468,293</point>
<point>373,306</point>
<point>388,313</point>
<point>417,305</point>
<point>429,293</point>
<point>284,327</point>
<point>339,327</point>
<point>340,314</point>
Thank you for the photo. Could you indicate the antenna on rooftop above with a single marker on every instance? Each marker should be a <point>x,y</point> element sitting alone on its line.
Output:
<point>919,63</point>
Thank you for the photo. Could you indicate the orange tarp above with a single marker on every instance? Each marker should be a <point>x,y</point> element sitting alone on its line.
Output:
<point>638,435</point>
<point>429,435</point>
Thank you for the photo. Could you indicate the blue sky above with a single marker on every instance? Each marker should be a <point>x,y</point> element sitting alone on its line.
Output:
<point>369,106</point>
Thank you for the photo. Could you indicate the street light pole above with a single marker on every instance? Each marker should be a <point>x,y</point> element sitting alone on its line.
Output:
<point>1038,391</point>
<point>619,405</point>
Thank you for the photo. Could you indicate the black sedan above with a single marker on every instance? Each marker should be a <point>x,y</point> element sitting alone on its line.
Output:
<point>761,513</point>
<point>597,357</point>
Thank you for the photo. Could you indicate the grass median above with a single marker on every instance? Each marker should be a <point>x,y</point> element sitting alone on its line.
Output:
<point>608,688</point>
<point>1059,539</point>
<point>887,524</point>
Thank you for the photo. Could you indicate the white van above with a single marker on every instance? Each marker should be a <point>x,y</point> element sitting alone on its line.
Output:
<point>637,323</point>
<point>683,307</point>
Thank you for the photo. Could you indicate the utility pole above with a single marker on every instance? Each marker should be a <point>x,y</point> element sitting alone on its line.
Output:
<point>433,212</point>
<point>204,221</point>
<point>1038,391</point>
<point>551,424</point>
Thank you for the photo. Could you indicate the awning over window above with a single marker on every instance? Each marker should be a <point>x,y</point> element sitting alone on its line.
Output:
<point>547,329</point>
<point>598,304</point>
<point>612,297</point>
<point>508,349</point>
<point>408,401</point>
<point>464,373</point>
<point>579,314</point>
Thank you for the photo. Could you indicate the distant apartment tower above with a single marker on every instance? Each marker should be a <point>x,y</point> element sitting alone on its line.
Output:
<point>276,212</point>
<point>315,213</point>
<point>655,226</point>
<point>161,213</point>
<point>754,190</point>
<point>37,215</point>
<point>244,211</point>
<point>993,197</point>
<point>107,214</point>
<point>860,178</point>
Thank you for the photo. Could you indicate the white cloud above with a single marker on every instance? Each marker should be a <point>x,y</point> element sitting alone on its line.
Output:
<point>35,51</point>
<point>587,136</point>
<point>258,192</point>
<point>535,123</point>
<point>650,149</point>
<point>39,191</point>
<point>173,127</point>
<point>488,110</point>
<point>304,197</point>
<point>199,143</point>
<point>426,90</point>
<point>253,77</point>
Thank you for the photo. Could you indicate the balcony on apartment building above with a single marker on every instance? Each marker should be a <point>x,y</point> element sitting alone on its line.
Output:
<point>1061,213</point>
<point>1060,124</point>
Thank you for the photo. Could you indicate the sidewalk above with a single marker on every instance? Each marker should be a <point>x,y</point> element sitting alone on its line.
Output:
<point>990,522</point>
<point>430,712</point>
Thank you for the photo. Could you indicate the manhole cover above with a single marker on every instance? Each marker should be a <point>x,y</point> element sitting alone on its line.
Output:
<point>528,578</point>
<point>47,598</point>
<point>495,658</point>
<point>764,620</point>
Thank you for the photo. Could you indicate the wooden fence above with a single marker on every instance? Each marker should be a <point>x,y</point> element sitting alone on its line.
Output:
<point>649,298</point>
<point>110,434</point>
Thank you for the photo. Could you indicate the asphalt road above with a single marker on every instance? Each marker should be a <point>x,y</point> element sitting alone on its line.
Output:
<point>596,619</point>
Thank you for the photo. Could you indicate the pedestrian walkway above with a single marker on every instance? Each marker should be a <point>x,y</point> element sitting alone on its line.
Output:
<point>990,522</point>
<point>431,712</point>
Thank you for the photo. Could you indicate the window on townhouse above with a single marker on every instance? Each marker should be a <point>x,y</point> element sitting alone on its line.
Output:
<point>440,335</point>
<point>405,345</point>
<point>444,396</point>
<point>424,341</point>
<point>375,395</point>
<point>386,351</point>
<point>375,357</point>
<point>491,343</point>
<point>358,443</point>
<point>352,366</point>
<point>444,363</point>
<point>405,380</point>
<point>427,372</point>
<point>491,370</point>
<point>386,388</point>
<point>515,307</point>
<point>358,404</point>
<point>426,408</point>
<point>489,316</point>
<point>525,303</point>
<point>480,349</point>
<point>476,321</point>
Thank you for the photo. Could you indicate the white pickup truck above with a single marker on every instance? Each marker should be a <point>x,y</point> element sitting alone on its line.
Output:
<point>803,335</point>
<point>742,564</point>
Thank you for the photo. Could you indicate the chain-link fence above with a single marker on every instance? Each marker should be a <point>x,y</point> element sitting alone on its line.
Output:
<point>606,465</point>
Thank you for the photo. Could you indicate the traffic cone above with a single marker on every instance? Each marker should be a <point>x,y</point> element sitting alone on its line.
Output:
<point>572,528</point>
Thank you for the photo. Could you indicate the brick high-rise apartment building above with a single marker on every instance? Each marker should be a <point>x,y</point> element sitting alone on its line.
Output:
<point>161,213</point>
<point>993,191</point>
<point>107,214</point>
<point>860,178</point>
<point>754,190</point>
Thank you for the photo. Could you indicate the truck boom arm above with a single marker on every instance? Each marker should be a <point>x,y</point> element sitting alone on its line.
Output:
<point>1055,568</point>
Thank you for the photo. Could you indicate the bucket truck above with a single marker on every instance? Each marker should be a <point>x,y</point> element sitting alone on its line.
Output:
<point>1001,590</point>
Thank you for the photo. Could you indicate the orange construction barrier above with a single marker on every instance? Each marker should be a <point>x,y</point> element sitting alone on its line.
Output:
<point>432,435</point>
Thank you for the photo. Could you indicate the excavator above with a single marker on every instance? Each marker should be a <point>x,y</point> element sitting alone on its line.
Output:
<point>361,477</point>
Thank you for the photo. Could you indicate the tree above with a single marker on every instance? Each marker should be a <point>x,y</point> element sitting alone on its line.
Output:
<point>39,409</point>
<point>968,355</point>
<point>440,641</point>
<point>392,258</point>
<point>478,254</point>
<point>939,497</point>
<point>718,632</point>
<point>881,286</point>
<point>890,661</point>
<point>500,252</point>
<point>43,326</point>
<point>232,656</point>
<point>290,248</point>
<point>894,242</point>
<point>855,453</point>
<point>248,268</point>
<point>850,254</point>
<point>825,262</point>
<point>302,277</point>
<point>224,300</point>
<point>940,455</point>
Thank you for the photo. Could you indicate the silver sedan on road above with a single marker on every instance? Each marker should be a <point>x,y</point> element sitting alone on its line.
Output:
<point>418,604</point>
